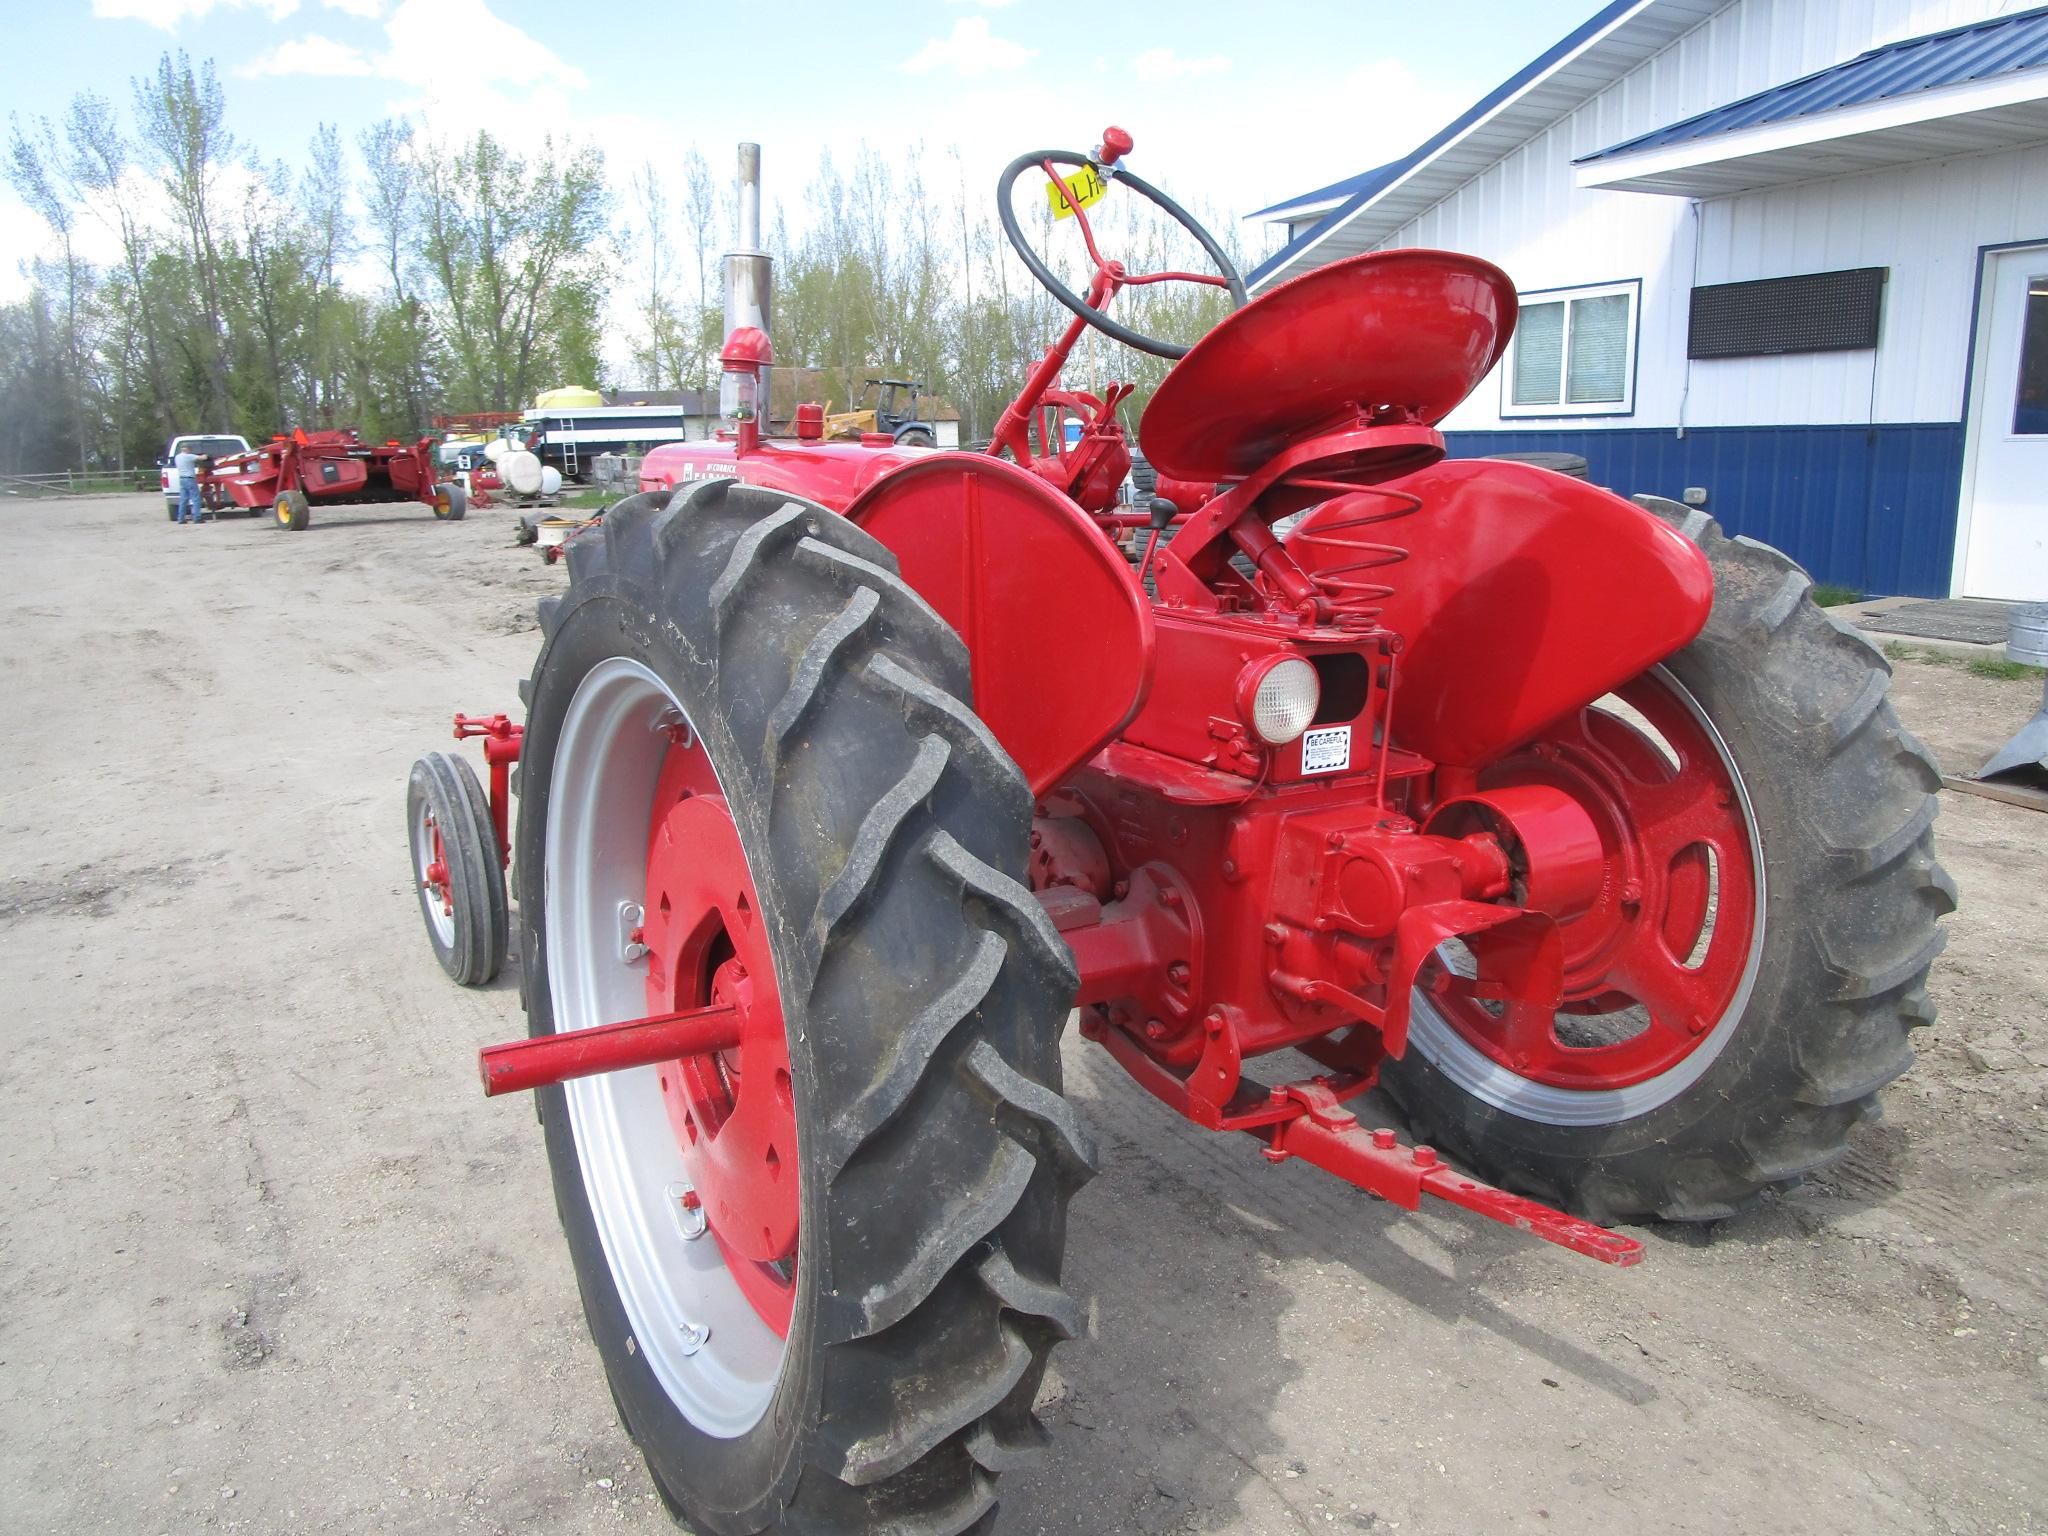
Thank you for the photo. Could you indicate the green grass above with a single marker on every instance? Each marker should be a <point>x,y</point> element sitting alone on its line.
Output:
<point>585,501</point>
<point>2005,671</point>
<point>1995,669</point>
<point>1828,595</point>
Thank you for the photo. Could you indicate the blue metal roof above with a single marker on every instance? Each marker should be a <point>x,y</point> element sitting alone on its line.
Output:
<point>1337,190</point>
<point>1367,184</point>
<point>2004,46</point>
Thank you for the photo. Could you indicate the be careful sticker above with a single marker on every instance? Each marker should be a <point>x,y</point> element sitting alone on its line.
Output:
<point>1327,750</point>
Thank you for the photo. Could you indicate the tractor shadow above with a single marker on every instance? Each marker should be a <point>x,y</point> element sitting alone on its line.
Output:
<point>1227,1295</point>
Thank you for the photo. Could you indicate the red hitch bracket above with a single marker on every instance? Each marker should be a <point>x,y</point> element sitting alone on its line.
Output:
<point>1327,1134</point>
<point>502,743</point>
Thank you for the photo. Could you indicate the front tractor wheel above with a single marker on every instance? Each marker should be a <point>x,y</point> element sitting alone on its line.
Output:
<point>1745,982</point>
<point>457,868</point>
<point>821,1263</point>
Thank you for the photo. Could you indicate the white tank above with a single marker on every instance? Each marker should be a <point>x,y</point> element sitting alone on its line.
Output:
<point>550,479</point>
<point>521,472</point>
<point>496,449</point>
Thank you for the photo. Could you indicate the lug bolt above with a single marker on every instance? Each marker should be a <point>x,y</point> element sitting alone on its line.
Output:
<point>1154,1030</point>
<point>1177,973</point>
<point>1385,1140</point>
<point>1425,1157</point>
<point>1213,1022</point>
<point>694,1336</point>
<point>632,937</point>
<point>691,1220</point>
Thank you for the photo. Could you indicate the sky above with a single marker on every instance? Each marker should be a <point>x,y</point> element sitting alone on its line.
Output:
<point>1234,103</point>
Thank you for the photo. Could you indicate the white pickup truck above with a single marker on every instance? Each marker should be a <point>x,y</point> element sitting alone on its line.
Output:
<point>214,445</point>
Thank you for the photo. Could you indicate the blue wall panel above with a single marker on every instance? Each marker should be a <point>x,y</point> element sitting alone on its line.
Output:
<point>1869,507</point>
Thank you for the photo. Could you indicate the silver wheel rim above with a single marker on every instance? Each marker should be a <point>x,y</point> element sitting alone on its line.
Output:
<point>1440,1044</point>
<point>706,1345</point>
<point>441,921</point>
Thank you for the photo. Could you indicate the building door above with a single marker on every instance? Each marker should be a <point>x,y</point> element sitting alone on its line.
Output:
<point>2005,463</point>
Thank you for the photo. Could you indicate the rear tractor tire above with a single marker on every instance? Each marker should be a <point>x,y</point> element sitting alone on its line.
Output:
<point>458,868</point>
<point>1786,875</point>
<point>292,511</point>
<point>821,1265</point>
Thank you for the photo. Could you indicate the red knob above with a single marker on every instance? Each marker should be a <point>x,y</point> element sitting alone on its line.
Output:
<point>1115,145</point>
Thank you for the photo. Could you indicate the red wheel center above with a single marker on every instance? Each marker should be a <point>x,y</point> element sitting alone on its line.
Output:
<point>732,1111</point>
<point>437,869</point>
<point>1658,960</point>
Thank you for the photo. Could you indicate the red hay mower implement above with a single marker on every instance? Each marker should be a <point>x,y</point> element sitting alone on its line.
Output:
<point>291,473</point>
<point>850,771</point>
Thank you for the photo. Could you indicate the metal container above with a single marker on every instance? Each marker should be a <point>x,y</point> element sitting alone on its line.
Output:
<point>2024,759</point>
<point>2027,634</point>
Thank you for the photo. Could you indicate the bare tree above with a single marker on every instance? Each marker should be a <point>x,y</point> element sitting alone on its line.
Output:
<point>183,118</point>
<point>703,213</point>
<point>660,350</point>
<point>323,195</point>
<point>36,169</point>
<point>100,159</point>
<point>391,196</point>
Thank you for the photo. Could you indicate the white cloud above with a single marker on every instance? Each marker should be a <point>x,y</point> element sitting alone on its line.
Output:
<point>1165,64</point>
<point>970,50</point>
<point>308,55</point>
<point>437,42</point>
<point>987,5</point>
<point>167,14</point>
<point>366,10</point>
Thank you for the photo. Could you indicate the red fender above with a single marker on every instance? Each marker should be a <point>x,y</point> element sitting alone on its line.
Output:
<point>1525,596</point>
<point>1057,627</point>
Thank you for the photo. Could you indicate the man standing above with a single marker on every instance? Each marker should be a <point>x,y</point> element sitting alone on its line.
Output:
<point>187,463</point>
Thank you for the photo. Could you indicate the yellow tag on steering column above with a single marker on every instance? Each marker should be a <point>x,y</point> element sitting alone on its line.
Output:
<point>1086,187</point>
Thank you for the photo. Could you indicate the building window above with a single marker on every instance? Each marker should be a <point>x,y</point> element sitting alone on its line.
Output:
<point>1574,353</point>
<point>2030,393</point>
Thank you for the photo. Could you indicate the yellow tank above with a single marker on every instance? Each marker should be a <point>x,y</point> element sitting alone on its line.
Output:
<point>570,397</point>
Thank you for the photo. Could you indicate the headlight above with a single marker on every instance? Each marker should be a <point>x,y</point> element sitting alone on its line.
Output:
<point>1279,698</point>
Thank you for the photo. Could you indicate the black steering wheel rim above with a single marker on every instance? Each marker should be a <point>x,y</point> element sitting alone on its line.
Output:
<point>1072,300</point>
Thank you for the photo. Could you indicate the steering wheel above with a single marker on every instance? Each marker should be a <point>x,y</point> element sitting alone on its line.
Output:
<point>1110,275</point>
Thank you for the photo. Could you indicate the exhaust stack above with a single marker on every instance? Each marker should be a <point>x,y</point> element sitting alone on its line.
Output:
<point>748,270</point>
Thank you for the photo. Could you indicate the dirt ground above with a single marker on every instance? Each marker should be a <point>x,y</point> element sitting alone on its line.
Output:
<point>270,1263</point>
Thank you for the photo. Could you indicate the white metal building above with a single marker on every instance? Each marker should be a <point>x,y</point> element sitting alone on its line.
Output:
<point>1793,253</point>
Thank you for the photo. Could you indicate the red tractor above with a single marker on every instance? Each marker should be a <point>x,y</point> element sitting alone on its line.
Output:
<point>851,772</point>
<point>291,472</point>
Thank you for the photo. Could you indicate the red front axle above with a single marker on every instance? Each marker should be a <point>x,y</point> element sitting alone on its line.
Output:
<point>546,1059</point>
